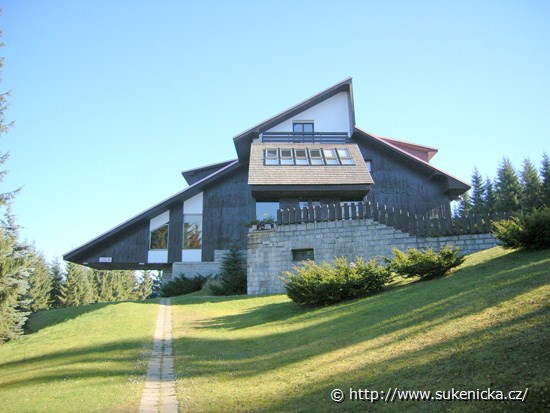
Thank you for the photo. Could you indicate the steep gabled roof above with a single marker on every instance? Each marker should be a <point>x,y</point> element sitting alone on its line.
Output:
<point>455,186</point>
<point>157,209</point>
<point>426,153</point>
<point>194,175</point>
<point>244,139</point>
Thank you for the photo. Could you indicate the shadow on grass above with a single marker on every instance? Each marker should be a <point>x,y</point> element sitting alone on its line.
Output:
<point>415,309</point>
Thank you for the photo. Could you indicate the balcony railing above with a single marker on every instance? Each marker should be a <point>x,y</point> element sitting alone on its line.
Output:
<point>305,137</point>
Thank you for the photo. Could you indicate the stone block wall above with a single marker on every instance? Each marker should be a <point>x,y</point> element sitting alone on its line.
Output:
<point>192,269</point>
<point>270,252</point>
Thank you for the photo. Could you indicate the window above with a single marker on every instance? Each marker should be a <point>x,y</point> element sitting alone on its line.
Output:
<point>266,210</point>
<point>192,231</point>
<point>286,157</point>
<point>303,254</point>
<point>330,156</point>
<point>271,157</point>
<point>345,157</point>
<point>315,157</point>
<point>369,165</point>
<point>300,156</point>
<point>302,127</point>
<point>303,156</point>
<point>159,238</point>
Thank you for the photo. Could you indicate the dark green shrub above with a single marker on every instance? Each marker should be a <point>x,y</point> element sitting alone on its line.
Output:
<point>425,264</point>
<point>319,284</point>
<point>529,231</point>
<point>182,285</point>
<point>232,279</point>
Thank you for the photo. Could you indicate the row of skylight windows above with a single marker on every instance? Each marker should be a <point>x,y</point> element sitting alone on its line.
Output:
<point>307,157</point>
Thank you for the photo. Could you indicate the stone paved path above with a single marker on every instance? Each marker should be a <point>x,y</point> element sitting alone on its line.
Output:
<point>159,395</point>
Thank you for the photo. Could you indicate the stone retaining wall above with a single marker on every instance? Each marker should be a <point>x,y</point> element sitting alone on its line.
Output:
<point>270,252</point>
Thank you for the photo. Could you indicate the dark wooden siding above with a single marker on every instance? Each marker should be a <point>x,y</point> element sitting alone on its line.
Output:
<point>400,182</point>
<point>175,234</point>
<point>128,247</point>
<point>228,206</point>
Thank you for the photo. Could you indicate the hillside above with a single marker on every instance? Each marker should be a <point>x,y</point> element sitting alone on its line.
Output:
<point>485,325</point>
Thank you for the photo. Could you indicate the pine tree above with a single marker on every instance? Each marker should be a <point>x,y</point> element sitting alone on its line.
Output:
<point>465,206</point>
<point>531,187</point>
<point>145,287</point>
<point>478,193</point>
<point>56,276</point>
<point>40,282</point>
<point>508,188</point>
<point>545,177</point>
<point>490,197</point>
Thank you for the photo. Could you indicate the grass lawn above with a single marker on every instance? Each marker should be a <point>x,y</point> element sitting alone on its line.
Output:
<point>484,325</point>
<point>83,359</point>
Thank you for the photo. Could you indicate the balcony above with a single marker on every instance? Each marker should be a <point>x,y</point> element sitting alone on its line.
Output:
<point>305,137</point>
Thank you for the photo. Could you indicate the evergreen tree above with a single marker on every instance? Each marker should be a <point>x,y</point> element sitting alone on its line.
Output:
<point>13,282</point>
<point>145,287</point>
<point>232,278</point>
<point>545,177</point>
<point>78,287</point>
<point>56,276</point>
<point>531,187</point>
<point>465,206</point>
<point>490,197</point>
<point>478,193</point>
<point>40,282</point>
<point>104,286</point>
<point>508,188</point>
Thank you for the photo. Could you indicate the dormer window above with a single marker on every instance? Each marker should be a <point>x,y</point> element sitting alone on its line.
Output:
<point>316,157</point>
<point>345,157</point>
<point>330,156</point>
<point>302,127</point>
<point>272,157</point>
<point>286,157</point>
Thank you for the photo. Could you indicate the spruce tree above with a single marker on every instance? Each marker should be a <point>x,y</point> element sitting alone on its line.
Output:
<point>465,206</point>
<point>531,187</point>
<point>233,280</point>
<point>478,193</point>
<point>545,178</point>
<point>145,287</point>
<point>40,282</point>
<point>13,274</point>
<point>490,197</point>
<point>508,188</point>
<point>56,276</point>
<point>13,282</point>
<point>78,287</point>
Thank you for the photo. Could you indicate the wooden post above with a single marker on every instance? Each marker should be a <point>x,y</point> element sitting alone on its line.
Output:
<point>279,216</point>
<point>353,210</point>
<point>368,212</point>
<point>382,215</point>
<point>375,212</point>
<point>346,211</point>
<point>338,210</point>
<point>361,210</point>
<point>436,228</point>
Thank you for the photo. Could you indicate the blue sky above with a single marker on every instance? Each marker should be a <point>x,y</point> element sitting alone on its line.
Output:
<point>113,99</point>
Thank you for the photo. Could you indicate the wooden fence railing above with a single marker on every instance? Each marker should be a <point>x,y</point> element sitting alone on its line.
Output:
<point>397,218</point>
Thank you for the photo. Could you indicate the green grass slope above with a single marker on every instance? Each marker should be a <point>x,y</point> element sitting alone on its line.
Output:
<point>483,326</point>
<point>82,359</point>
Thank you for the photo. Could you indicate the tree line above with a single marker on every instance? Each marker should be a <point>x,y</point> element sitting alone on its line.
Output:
<point>513,191</point>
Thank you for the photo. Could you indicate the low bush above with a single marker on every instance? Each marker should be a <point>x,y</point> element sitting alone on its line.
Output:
<point>529,231</point>
<point>320,284</point>
<point>232,278</point>
<point>182,285</point>
<point>424,264</point>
